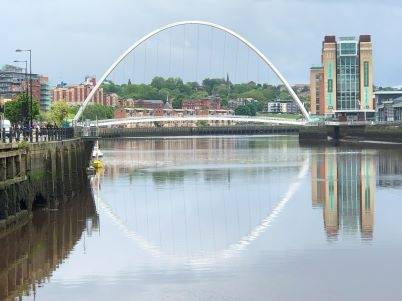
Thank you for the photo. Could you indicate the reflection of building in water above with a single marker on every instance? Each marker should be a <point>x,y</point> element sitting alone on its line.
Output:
<point>343,183</point>
<point>30,254</point>
<point>389,168</point>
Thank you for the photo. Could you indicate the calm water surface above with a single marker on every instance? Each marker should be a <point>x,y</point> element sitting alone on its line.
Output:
<point>219,218</point>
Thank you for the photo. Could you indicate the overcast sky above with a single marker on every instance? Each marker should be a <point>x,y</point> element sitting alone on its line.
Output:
<point>74,38</point>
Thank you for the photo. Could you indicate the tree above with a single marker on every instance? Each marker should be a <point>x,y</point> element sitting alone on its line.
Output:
<point>18,109</point>
<point>201,123</point>
<point>59,112</point>
<point>111,87</point>
<point>249,109</point>
<point>254,93</point>
<point>210,83</point>
<point>158,82</point>
<point>97,111</point>
<point>242,110</point>
<point>284,95</point>
<point>199,94</point>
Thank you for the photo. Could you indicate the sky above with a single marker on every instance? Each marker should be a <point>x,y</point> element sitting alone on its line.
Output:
<point>74,38</point>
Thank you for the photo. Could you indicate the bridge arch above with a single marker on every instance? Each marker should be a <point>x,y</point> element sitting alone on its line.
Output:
<point>195,22</point>
<point>207,259</point>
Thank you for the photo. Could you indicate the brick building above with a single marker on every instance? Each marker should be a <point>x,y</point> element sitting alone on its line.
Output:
<point>202,106</point>
<point>76,94</point>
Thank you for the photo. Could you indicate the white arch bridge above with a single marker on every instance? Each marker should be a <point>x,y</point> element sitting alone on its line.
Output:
<point>208,118</point>
<point>211,25</point>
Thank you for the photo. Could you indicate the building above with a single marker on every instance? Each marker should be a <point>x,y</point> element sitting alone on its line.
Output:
<point>289,107</point>
<point>40,91</point>
<point>11,79</point>
<point>202,106</point>
<point>76,94</point>
<point>153,106</point>
<point>273,107</point>
<point>388,106</point>
<point>342,86</point>
<point>149,103</point>
<point>317,101</point>
<point>233,104</point>
<point>14,80</point>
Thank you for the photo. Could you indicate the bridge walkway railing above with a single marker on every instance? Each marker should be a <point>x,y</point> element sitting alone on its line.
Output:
<point>35,135</point>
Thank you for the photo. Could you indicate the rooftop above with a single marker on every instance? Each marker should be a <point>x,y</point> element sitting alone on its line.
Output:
<point>395,92</point>
<point>149,100</point>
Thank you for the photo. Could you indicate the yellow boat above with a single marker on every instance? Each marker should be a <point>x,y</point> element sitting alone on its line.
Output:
<point>97,164</point>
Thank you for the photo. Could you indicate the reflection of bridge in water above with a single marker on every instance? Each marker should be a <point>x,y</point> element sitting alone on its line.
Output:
<point>210,253</point>
<point>201,213</point>
<point>191,201</point>
<point>31,253</point>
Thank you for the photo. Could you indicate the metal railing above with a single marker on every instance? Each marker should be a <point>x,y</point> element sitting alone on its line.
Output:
<point>35,135</point>
<point>163,118</point>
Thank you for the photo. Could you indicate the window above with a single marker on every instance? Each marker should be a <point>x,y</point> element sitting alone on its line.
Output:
<point>330,82</point>
<point>349,48</point>
<point>366,74</point>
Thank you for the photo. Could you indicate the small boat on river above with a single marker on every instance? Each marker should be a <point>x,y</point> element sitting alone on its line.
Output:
<point>96,153</point>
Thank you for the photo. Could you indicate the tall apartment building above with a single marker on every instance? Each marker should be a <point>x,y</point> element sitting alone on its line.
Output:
<point>76,94</point>
<point>343,85</point>
<point>40,91</point>
<point>14,80</point>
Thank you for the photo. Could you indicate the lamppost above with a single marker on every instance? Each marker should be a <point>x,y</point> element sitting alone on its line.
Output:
<point>26,85</point>
<point>30,83</point>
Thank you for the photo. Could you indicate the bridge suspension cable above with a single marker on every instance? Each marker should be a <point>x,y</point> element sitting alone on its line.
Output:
<point>183,23</point>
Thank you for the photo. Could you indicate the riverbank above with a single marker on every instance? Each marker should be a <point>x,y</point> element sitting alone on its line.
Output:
<point>364,134</point>
<point>197,131</point>
<point>39,175</point>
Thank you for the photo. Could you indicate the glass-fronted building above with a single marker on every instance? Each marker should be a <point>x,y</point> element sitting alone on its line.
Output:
<point>345,86</point>
<point>347,74</point>
<point>14,80</point>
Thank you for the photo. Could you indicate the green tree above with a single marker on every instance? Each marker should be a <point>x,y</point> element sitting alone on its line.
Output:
<point>16,110</point>
<point>201,123</point>
<point>158,82</point>
<point>199,94</point>
<point>59,112</point>
<point>284,95</point>
<point>97,111</point>
<point>254,93</point>
<point>242,110</point>
<point>247,110</point>
<point>210,84</point>
<point>111,87</point>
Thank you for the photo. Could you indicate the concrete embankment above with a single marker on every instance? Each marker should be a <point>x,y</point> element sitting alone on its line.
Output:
<point>353,134</point>
<point>197,131</point>
<point>39,175</point>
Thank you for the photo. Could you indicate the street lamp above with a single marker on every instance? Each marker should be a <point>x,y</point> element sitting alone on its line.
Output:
<point>30,82</point>
<point>26,83</point>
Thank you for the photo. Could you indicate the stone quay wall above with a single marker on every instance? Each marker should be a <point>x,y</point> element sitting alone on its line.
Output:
<point>197,131</point>
<point>39,175</point>
<point>357,134</point>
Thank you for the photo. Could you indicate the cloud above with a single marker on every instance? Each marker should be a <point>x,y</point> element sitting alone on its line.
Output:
<point>73,38</point>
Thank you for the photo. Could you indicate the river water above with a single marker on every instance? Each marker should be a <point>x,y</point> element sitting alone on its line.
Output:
<point>218,218</point>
